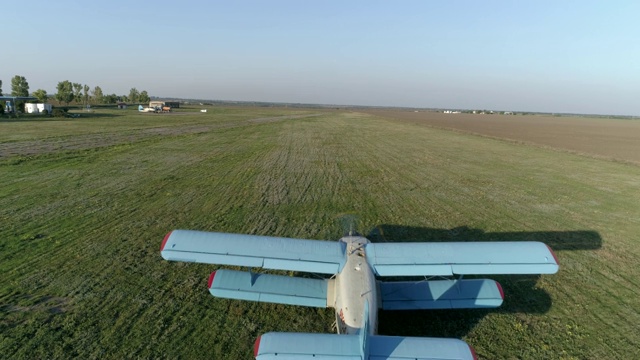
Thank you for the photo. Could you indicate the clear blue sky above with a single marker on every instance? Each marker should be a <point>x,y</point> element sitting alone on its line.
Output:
<point>557,56</point>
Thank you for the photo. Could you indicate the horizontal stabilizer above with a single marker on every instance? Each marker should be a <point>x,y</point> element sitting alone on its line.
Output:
<point>316,256</point>
<point>405,348</point>
<point>462,258</point>
<point>279,346</point>
<point>269,288</point>
<point>441,294</point>
<point>290,346</point>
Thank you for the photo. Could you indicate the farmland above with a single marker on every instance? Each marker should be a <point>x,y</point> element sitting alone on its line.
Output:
<point>85,203</point>
<point>612,139</point>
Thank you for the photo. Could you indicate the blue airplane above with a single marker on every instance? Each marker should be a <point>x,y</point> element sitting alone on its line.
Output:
<point>354,289</point>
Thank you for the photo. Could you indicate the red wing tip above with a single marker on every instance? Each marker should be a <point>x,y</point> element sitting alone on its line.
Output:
<point>256,346</point>
<point>500,289</point>
<point>553,254</point>
<point>164,242</point>
<point>473,352</point>
<point>213,274</point>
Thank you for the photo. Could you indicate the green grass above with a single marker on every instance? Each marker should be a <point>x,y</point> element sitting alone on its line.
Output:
<point>81,224</point>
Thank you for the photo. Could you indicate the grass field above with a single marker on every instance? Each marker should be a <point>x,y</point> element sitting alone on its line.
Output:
<point>85,203</point>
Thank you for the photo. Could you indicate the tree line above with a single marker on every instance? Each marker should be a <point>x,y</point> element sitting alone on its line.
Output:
<point>69,92</point>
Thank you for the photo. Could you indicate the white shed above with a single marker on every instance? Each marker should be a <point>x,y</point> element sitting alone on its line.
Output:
<point>37,108</point>
<point>43,107</point>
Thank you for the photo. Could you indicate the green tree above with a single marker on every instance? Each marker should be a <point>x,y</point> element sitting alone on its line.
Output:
<point>110,99</point>
<point>124,98</point>
<point>77,92</point>
<point>0,87</point>
<point>19,86</point>
<point>98,96</point>
<point>134,95</point>
<point>85,95</point>
<point>41,95</point>
<point>65,92</point>
<point>144,97</point>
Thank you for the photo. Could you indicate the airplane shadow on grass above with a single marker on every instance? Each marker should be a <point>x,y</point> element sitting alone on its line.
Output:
<point>521,293</point>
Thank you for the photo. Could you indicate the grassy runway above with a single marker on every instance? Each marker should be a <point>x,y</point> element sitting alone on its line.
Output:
<point>85,203</point>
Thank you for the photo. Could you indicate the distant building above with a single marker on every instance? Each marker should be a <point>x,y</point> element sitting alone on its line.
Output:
<point>122,105</point>
<point>37,108</point>
<point>156,104</point>
<point>161,104</point>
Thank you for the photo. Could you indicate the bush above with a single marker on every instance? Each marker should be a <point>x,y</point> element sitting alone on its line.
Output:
<point>45,112</point>
<point>58,113</point>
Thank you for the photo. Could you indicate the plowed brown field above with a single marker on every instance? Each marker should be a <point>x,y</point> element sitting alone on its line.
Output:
<point>608,138</point>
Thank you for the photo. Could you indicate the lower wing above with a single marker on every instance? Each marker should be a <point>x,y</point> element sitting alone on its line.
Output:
<point>441,294</point>
<point>271,288</point>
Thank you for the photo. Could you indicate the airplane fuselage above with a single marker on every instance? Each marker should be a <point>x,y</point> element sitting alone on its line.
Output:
<point>356,286</point>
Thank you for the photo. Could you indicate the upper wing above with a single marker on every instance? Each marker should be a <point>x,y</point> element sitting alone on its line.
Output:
<point>316,256</point>
<point>462,258</point>
<point>348,347</point>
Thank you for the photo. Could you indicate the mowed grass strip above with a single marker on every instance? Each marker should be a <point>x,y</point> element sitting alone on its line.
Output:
<point>81,230</point>
<point>34,135</point>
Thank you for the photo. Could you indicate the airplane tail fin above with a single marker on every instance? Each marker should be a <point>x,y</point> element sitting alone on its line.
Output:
<point>363,337</point>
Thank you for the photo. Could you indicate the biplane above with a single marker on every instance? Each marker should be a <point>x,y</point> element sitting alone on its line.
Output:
<point>353,286</point>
